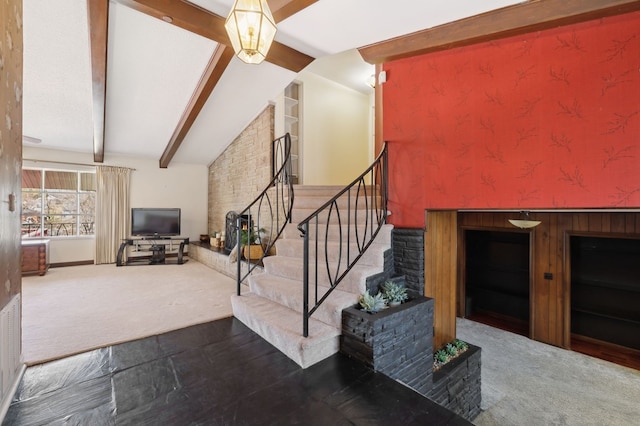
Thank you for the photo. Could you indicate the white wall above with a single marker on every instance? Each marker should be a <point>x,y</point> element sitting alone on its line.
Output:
<point>179,185</point>
<point>336,131</point>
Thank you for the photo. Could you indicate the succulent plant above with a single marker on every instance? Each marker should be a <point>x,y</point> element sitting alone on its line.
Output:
<point>394,292</point>
<point>441,356</point>
<point>460,345</point>
<point>371,303</point>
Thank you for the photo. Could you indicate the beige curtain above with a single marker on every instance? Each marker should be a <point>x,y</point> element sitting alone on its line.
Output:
<point>112,211</point>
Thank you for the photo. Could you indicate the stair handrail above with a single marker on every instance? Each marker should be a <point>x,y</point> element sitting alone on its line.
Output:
<point>267,231</point>
<point>375,211</point>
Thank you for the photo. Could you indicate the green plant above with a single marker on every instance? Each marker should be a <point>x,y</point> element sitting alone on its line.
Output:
<point>250,236</point>
<point>460,345</point>
<point>441,356</point>
<point>450,351</point>
<point>394,292</point>
<point>371,303</point>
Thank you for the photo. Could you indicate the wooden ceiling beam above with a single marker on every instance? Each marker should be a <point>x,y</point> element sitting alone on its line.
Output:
<point>98,20</point>
<point>200,21</point>
<point>282,9</point>
<point>513,20</point>
<point>215,68</point>
<point>207,24</point>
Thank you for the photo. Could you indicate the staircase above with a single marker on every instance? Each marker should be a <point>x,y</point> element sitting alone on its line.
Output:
<point>273,305</point>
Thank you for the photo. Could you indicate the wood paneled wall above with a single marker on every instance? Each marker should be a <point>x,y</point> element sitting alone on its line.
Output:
<point>550,317</point>
<point>440,280</point>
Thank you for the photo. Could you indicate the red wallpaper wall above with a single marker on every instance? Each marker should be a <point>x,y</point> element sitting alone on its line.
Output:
<point>545,120</point>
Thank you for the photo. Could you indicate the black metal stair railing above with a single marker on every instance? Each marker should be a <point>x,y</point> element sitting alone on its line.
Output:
<point>267,215</point>
<point>356,226</point>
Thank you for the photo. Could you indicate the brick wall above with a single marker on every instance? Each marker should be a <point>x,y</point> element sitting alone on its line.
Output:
<point>242,171</point>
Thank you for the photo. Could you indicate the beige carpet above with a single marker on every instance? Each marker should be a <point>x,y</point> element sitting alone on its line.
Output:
<point>75,309</point>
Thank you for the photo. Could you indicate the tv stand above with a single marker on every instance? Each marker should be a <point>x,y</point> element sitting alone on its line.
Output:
<point>151,251</point>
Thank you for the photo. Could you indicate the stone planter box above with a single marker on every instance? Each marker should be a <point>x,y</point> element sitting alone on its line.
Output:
<point>397,341</point>
<point>456,385</point>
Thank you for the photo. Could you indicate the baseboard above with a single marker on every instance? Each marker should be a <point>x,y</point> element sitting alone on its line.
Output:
<point>6,401</point>
<point>78,263</point>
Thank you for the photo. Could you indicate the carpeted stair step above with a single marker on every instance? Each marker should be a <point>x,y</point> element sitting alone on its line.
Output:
<point>282,327</point>
<point>315,202</point>
<point>333,232</point>
<point>289,293</point>
<point>355,216</point>
<point>334,251</point>
<point>287,267</point>
<point>327,191</point>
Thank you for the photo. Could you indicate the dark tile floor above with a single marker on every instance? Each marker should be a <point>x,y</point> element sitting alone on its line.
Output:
<point>218,373</point>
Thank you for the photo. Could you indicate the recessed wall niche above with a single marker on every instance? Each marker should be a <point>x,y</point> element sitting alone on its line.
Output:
<point>497,278</point>
<point>605,290</point>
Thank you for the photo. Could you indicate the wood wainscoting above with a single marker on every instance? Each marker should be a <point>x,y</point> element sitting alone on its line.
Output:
<point>550,263</point>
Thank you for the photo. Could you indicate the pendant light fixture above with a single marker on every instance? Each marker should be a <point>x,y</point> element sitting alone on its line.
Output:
<point>251,28</point>
<point>525,222</point>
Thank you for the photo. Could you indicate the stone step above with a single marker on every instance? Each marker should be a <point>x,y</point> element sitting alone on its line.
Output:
<point>282,327</point>
<point>290,294</point>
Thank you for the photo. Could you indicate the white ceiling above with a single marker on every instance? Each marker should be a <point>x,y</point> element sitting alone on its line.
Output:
<point>154,67</point>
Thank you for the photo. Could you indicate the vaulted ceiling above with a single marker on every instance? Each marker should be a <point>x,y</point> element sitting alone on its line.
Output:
<point>155,78</point>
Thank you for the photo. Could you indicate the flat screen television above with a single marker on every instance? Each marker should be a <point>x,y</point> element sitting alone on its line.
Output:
<point>155,222</point>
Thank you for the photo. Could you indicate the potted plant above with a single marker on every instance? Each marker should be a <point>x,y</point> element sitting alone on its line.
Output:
<point>394,293</point>
<point>372,304</point>
<point>250,243</point>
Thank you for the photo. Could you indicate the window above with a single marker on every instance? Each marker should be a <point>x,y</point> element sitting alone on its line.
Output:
<point>58,203</point>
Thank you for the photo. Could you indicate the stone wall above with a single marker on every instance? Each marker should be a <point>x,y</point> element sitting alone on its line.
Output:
<point>456,385</point>
<point>408,255</point>
<point>397,342</point>
<point>242,171</point>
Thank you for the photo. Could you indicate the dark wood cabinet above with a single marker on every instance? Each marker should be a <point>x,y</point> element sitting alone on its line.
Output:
<point>35,257</point>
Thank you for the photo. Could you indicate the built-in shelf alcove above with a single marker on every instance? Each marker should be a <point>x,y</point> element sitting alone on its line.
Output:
<point>497,278</point>
<point>605,291</point>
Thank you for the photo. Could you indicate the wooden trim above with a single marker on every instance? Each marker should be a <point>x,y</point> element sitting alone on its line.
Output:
<point>213,72</point>
<point>513,20</point>
<point>378,111</point>
<point>440,264</point>
<point>76,263</point>
<point>98,21</point>
<point>207,24</point>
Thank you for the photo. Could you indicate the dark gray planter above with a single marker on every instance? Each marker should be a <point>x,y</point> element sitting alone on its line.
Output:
<point>397,341</point>
<point>456,385</point>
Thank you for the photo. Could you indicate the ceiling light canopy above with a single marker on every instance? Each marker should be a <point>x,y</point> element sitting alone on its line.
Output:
<point>251,28</point>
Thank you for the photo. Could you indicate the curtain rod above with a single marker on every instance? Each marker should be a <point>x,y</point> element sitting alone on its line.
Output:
<point>68,163</point>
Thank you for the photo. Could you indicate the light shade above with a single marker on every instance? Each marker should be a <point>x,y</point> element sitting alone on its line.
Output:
<point>524,224</point>
<point>251,29</point>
